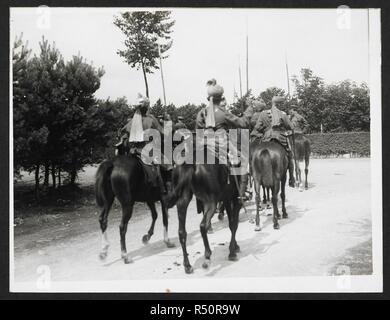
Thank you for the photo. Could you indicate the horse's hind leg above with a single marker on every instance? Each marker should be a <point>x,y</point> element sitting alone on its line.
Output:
<point>221,209</point>
<point>276,215</point>
<point>258,205</point>
<point>204,226</point>
<point>182,206</point>
<point>283,196</point>
<point>265,195</point>
<point>148,236</point>
<point>127,211</point>
<point>306,172</point>
<point>233,214</point>
<point>103,226</point>
<point>164,210</point>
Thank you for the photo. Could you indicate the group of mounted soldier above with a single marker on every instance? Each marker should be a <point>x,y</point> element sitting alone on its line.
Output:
<point>263,123</point>
<point>271,155</point>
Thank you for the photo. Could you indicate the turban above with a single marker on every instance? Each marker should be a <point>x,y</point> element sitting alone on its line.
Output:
<point>215,91</point>
<point>142,100</point>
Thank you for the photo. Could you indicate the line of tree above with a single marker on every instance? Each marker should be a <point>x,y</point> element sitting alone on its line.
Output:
<point>336,107</point>
<point>59,125</point>
<point>56,120</point>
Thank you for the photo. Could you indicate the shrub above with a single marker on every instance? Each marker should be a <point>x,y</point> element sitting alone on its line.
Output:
<point>356,143</point>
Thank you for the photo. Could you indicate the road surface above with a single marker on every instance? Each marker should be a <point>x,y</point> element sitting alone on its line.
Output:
<point>328,225</point>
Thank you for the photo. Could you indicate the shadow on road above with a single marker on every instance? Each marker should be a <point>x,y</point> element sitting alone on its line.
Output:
<point>252,246</point>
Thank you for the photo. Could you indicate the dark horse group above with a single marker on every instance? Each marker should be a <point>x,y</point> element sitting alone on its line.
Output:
<point>123,178</point>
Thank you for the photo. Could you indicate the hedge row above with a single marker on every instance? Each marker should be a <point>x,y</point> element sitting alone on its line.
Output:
<point>327,144</point>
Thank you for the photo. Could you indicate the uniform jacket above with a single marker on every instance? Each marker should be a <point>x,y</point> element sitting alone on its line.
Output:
<point>225,120</point>
<point>267,132</point>
<point>148,122</point>
<point>299,123</point>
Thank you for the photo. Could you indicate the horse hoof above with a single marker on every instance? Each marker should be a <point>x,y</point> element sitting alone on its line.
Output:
<point>206,264</point>
<point>145,239</point>
<point>233,257</point>
<point>127,260</point>
<point>103,255</point>
<point>276,226</point>
<point>285,216</point>
<point>189,270</point>
<point>257,229</point>
<point>169,244</point>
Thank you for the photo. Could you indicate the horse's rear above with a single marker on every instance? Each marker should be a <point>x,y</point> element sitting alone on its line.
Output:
<point>269,164</point>
<point>302,154</point>
<point>210,183</point>
<point>123,178</point>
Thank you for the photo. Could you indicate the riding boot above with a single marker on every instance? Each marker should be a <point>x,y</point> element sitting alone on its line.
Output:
<point>291,182</point>
<point>243,186</point>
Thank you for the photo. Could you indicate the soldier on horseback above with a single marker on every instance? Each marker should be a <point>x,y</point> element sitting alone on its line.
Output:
<point>133,137</point>
<point>272,124</point>
<point>179,124</point>
<point>216,117</point>
<point>299,122</point>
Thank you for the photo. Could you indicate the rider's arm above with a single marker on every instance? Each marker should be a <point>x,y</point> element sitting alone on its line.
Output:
<point>240,122</point>
<point>155,124</point>
<point>286,122</point>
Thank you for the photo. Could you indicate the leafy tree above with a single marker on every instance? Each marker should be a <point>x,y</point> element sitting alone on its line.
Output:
<point>79,119</point>
<point>143,31</point>
<point>55,126</point>
<point>189,113</point>
<point>338,107</point>
<point>34,79</point>
<point>242,103</point>
<point>112,116</point>
<point>158,109</point>
<point>309,92</point>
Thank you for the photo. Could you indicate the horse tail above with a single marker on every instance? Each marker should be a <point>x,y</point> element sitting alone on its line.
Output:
<point>103,183</point>
<point>264,168</point>
<point>181,180</point>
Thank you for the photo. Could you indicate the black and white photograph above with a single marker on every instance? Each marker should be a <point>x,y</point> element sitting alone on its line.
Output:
<point>184,150</point>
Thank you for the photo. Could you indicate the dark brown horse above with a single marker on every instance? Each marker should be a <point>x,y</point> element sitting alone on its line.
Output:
<point>269,164</point>
<point>124,177</point>
<point>302,153</point>
<point>211,184</point>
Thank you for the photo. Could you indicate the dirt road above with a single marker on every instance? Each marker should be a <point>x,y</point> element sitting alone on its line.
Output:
<point>328,225</point>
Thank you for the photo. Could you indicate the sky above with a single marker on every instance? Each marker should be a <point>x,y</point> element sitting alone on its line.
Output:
<point>209,43</point>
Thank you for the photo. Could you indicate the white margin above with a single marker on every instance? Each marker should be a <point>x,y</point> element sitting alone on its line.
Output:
<point>330,284</point>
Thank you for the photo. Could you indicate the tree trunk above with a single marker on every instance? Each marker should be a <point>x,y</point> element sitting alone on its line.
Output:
<point>37,182</point>
<point>53,175</point>
<point>59,177</point>
<point>47,174</point>
<point>73,176</point>
<point>146,81</point>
